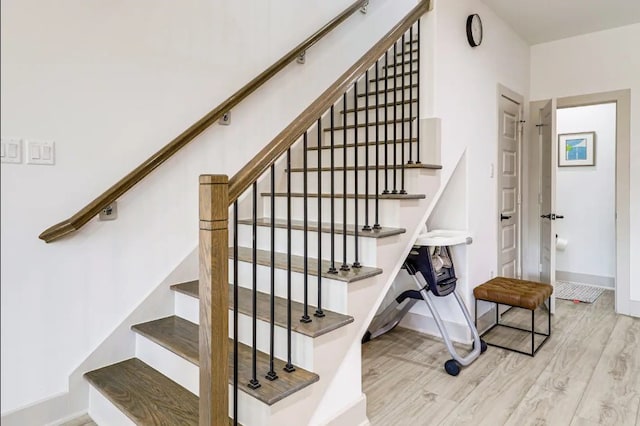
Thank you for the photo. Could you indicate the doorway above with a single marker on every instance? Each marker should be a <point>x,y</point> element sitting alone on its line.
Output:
<point>585,199</point>
<point>536,192</point>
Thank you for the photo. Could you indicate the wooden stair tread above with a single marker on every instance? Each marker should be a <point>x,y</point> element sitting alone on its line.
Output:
<point>388,104</point>
<point>421,166</point>
<point>372,123</point>
<point>388,196</point>
<point>389,89</point>
<point>145,395</point>
<point>317,327</point>
<point>359,144</point>
<point>297,265</point>
<point>326,227</point>
<point>181,337</point>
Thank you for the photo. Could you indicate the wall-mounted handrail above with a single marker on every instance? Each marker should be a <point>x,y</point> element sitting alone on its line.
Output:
<point>92,209</point>
<point>242,180</point>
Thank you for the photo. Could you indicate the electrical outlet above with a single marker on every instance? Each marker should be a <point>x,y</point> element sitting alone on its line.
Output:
<point>11,151</point>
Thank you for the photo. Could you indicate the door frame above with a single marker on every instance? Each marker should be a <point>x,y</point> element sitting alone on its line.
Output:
<point>504,91</point>
<point>622,99</point>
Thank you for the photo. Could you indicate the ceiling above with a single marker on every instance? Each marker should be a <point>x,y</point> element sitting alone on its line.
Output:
<point>539,21</point>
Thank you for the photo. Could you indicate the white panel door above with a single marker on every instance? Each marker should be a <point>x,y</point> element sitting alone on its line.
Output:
<point>547,198</point>
<point>508,188</point>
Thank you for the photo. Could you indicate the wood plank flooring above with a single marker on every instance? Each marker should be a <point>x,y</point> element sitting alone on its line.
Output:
<point>588,373</point>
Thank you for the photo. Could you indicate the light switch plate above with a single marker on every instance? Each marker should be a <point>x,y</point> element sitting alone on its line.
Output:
<point>11,151</point>
<point>40,152</point>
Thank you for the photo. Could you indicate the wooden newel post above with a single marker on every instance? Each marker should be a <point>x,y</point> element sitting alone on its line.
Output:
<point>214,309</point>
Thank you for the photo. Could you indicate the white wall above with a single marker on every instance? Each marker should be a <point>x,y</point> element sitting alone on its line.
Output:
<point>466,87</point>
<point>461,89</point>
<point>586,195</point>
<point>607,60</point>
<point>111,83</point>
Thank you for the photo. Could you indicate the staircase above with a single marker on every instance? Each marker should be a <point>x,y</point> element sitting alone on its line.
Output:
<point>315,242</point>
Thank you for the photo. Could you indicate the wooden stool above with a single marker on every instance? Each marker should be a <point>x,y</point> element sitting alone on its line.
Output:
<point>519,293</point>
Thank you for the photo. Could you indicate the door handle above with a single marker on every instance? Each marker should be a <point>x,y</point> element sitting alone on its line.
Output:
<point>504,217</point>
<point>546,216</point>
<point>559,216</point>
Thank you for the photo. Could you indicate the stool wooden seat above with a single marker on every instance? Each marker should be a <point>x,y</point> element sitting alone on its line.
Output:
<point>519,293</point>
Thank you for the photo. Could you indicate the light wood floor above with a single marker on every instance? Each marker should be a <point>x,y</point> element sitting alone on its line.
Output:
<point>588,373</point>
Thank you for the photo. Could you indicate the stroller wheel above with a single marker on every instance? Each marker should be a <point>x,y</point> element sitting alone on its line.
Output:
<point>452,367</point>
<point>483,346</point>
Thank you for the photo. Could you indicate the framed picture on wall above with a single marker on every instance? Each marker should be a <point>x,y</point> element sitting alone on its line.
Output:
<point>577,149</point>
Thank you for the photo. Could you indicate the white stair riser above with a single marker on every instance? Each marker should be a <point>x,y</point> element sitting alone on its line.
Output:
<point>334,292</point>
<point>325,156</point>
<point>410,186</point>
<point>410,111</point>
<point>103,412</point>
<point>186,374</point>
<point>367,247</point>
<point>388,213</point>
<point>302,346</point>
<point>339,136</point>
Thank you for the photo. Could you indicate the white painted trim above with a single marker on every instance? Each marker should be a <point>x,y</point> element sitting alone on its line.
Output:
<point>587,279</point>
<point>353,414</point>
<point>458,332</point>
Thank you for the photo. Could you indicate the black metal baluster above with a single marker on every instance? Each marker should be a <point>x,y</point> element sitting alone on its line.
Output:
<point>395,115</point>
<point>411,98</point>
<point>235,313</point>
<point>332,267</point>
<point>386,112</point>
<point>376,222</point>
<point>319,313</point>
<point>271,375</point>
<point>403,121</point>
<point>418,99</point>
<point>254,383</point>
<point>305,316</point>
<point>356,263</point>
<point>289,367</point>
<point>345,265</point>
<point>366,226</point>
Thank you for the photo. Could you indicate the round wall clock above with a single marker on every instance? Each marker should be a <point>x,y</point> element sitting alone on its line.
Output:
<point>474,30</point>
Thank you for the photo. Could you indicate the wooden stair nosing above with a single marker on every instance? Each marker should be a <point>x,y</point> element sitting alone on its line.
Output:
<point>371,107</point>
<point>371,124</point>
<point>389,196</point>
<point>181,337</point>
<point>312,226</point>
<point>389,89</point>
<point>406,52</point>
<point>360,144</point>
<point>144,394</point>
<point>317,327</point>
<point>413,166</point>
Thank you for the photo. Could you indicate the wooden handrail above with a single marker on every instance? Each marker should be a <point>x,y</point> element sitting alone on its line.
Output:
<point>241,181</point>
<point>85,214</point>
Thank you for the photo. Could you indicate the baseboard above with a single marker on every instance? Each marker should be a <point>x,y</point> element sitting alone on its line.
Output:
<point>51,411</point>
<point>354,414</point>
<point>457,332</point>
<point>592,280</point>
<point>634,308</point>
